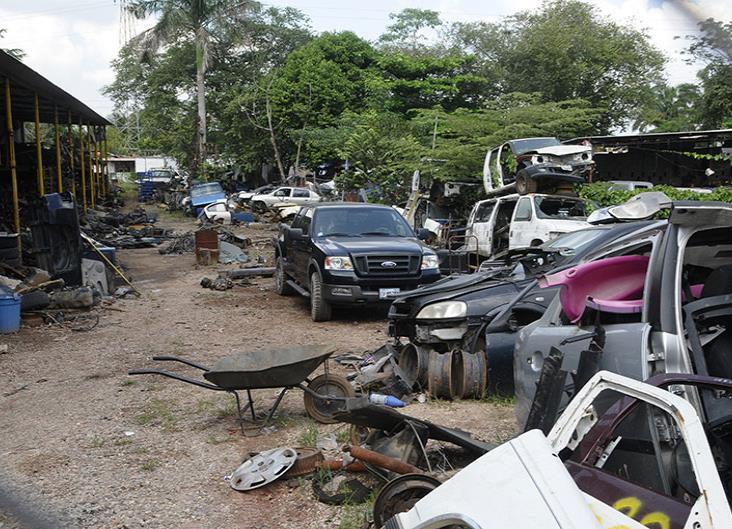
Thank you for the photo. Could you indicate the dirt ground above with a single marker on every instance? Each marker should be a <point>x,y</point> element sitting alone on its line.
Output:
<point>93,447</point>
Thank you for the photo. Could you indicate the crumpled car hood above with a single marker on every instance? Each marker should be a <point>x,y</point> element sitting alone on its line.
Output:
<point>561,150</point>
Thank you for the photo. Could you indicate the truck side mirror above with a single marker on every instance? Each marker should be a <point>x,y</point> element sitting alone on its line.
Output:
<point>295,234</point>
<point>423,234</point>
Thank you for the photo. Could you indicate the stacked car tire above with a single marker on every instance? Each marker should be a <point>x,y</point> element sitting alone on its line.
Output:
<point>449,375</point>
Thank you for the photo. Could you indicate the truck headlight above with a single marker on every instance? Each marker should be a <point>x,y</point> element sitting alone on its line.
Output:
<point>430,262</point>
<point>443,310</point>
<point>338,263</point>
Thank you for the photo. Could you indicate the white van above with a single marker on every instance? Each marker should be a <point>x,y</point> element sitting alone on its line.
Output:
<point>516,221</point>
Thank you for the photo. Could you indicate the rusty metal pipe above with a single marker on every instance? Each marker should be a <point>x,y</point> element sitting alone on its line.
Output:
<point>337,464</point>
<point>381,461</point>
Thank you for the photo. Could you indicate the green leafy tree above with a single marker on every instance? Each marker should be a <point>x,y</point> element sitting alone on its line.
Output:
<point>714,48</point>
<point>409,32</point>
<point>194,19</point>
<point>566,51</point>
<point>462,138</point>
<point>672,108</point>
<point>382,154</point>
<point>406,82</point>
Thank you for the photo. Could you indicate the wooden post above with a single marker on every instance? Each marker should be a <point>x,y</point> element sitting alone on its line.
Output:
<point>83,175</point>
<point>39,152</point>
<point>11,154</point>
<point>57,133</point>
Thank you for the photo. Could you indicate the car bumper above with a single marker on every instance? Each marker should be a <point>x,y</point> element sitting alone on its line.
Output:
<point>347,288</point>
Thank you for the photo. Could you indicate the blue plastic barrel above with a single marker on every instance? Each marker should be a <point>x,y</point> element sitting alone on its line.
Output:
<point>9,311</point>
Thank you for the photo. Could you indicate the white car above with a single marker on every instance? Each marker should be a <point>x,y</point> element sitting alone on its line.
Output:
<point>290,195</point>
<point>520,221</point>
<point>216,212</point>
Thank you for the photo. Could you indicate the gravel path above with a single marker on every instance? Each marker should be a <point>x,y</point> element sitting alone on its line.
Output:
<point>93,447</point>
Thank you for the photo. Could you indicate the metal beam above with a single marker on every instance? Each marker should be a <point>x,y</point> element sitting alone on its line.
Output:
<point>11,151</point>
<point>91,165</point>
<point>39,152</point>
<point>71,157</point>
<point>57,134</point>
<point>83,175</point>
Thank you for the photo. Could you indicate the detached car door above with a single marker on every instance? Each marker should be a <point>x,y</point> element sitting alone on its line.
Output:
<point>522,231</point>
<point>482,228</point>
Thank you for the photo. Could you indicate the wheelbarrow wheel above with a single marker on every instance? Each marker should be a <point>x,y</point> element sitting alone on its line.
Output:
<point>322,409</point>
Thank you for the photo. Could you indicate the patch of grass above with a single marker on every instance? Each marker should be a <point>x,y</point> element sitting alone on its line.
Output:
<point>140,450</point>
<point>123,442</point>
<point>204,406</point>
<point>228,409</point>
<point>128,382</point>
<point>97,442</point>
<point>343,436</point>
<point>309,437</point>
<point>150,464</point>
<point>499,400</point>
<point>158,412</point>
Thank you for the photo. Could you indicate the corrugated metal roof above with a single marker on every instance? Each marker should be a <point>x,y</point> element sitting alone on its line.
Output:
<point>26,82</point>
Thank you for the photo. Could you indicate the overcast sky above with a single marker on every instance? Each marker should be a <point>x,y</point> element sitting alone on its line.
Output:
<point>72,42</point>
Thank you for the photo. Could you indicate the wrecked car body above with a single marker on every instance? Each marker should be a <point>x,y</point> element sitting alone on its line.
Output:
<point>530,163</point>
<point>658,304</point>
<point>497,225</point>
<point>453,313</point>
<point>644,461</point>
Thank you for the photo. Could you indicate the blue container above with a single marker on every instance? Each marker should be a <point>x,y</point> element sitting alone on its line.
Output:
<point>9,311</point>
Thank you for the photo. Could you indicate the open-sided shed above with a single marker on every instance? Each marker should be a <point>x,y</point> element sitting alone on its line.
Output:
<point>49,142</point>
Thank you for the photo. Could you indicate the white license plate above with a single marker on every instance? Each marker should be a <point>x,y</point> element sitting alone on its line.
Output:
<point>385,293</point>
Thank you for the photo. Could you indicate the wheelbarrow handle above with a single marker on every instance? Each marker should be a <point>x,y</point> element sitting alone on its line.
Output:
<point>166,358</point>
<point>176,376</point>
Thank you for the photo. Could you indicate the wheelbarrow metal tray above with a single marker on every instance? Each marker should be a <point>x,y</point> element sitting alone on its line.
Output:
<point>273,368</point>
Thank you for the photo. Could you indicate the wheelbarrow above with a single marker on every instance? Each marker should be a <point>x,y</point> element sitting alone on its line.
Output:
<point>269,369</point>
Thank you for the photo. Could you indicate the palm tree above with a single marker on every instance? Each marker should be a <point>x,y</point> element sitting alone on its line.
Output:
<point>197,19</point>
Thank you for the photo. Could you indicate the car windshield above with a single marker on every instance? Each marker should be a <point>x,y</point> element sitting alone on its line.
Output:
<point>574,241</point>
<point>555,252</point>
<point>162,173</point>
<point>206,189</point>
<point>531,144</point>
<point>357,222</point>
<point>560,208</point>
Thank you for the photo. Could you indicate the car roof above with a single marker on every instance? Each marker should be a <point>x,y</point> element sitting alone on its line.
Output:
<point>348,204</point>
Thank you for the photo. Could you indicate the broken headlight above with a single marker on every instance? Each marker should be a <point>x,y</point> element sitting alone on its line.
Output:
<point>430,262</point>
<point>338,263</point>
<point>443,310</point>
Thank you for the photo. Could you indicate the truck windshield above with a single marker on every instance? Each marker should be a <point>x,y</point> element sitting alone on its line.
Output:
<point>560,208</point>
<point>206,189</point>
<point>530,144</point>
<point>358,222</point>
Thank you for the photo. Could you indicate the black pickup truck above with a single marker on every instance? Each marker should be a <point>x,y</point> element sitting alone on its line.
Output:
<point>350,254</point>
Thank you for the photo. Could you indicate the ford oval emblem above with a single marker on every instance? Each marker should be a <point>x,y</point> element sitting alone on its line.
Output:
<point>388,264</point>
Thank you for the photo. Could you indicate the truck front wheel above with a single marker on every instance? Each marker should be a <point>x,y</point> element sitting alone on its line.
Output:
<point>281,286</point>
<point>320,309</point>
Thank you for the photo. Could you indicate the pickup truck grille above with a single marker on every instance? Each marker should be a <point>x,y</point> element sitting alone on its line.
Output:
<point>373,265</point>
